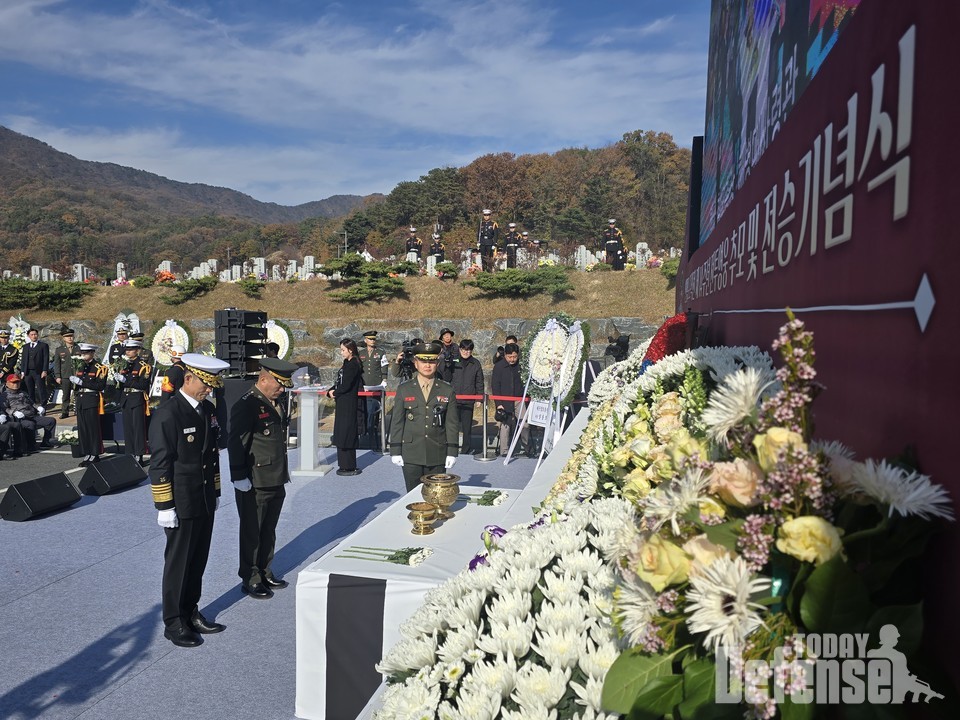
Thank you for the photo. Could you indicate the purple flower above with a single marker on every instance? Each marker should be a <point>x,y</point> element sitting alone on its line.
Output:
<point>478,560</point>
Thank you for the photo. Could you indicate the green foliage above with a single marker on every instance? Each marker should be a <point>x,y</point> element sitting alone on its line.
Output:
<point>144,281</point>
<point>669,269</point>
<point>251,286</point>
<point>349,266</point>
<point>447,270</point>
<point>369,290</point>
<point>187,290</point>
<point>17,294</point>
<point>518,283</point>
<point>600,267</point>
<point>405,267</point>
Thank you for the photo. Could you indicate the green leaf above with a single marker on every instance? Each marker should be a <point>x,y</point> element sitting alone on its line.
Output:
<point>658,698</point>
<point>700,694</point>
<point>725,534</point>
<point>835,599</point>
<point>629,675</point>
<point>790,710</point>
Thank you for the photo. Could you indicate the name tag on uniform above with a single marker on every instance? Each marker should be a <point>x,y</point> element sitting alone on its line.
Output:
<point>442,398</point>
<point>409,399</point>
<point>187,431</point>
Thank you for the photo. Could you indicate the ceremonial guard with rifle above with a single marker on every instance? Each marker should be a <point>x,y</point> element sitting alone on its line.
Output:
<point>613,245</point>
<point>90,381</point>
<point>65,359</point>
<point>487,241</point>
<point>133,379</point>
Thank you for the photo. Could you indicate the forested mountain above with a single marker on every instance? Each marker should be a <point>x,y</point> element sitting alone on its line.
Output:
<point>56,210</point>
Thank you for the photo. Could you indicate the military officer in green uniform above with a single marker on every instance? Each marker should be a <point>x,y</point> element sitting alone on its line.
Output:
<point>375,364</point>
<point>65,359</point>
<point>424,427</point>
<point>185,480</point>
<point>259,470</point>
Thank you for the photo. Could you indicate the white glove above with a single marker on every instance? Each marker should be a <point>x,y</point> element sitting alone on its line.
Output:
<point>168,518</point>
<point>3,419</point>
<point>396,460</point>
<point>18,414</point>
<point>217,506</point>
<point>74,379</point>
<point>40,409</point>
<point>243,485</point>
<point>119,377</point>
<point>451,460</point>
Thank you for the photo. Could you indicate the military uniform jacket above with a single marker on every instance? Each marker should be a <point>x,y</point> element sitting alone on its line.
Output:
<point>439,250</point>
<point>373,372</point>
<point>185,464</point>
<point>424,432</point>
<point>9,359</point>
<point>172,381</point>
<point>137,386</point>
<point>415,245</point>
<point>258,441</point>
<point>93,381</point>
<point>487,236</point>
<point>63,361</point>
<point>612,240</point>
<point>115,353</point>
<point>512,240</point>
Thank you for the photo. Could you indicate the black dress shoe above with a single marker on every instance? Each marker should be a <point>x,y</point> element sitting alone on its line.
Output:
<point>204,626</point>
<point>275,582</point>
<point>258,591</point>
<point>184,637</point>
<point>349,472</point>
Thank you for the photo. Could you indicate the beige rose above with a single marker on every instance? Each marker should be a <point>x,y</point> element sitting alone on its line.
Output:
<point>708,506</point>
<point>621,457</point>
<point>636,484</point>
<point>703,552</point>
<point>683,445</point>
<point>661,563</point>
<point>635,427</point>
<point>809,538</point>
<point>666,427</point>
<point>668,404</point>
<point>774,441</point>
<point>736,482</point>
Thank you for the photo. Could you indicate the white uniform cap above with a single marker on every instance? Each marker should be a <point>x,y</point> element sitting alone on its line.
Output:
<point>412,229</point>
<point>177,350</point>
<point>128,344</point>
<point>87,347</point>
<point>486,212</point>
<point>436,236</point>
<point>206,368</point>
<point>612,221</point>
<point>511,224</point>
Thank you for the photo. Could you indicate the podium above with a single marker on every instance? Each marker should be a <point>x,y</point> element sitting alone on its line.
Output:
<point>308,421</point>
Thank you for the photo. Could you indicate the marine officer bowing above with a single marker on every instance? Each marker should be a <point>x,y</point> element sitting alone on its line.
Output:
<point>133,377</point>
<point>185,480</point>
<point>259,470</point>
<point>424,427</point>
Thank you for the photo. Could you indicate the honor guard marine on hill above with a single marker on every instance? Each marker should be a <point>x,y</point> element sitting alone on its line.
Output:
<point>487,240</point>
<point>375,364</point>
<point>90,381</point>
<point>414,246</point>
<point>424,427</point>
<point>511,241</point>
<point>9,354</point>
<point>65,359</point>
<point>133,377</point>
<point>437,248</point>
<point>185,481</point>
<point>613,245</point>
<point>259,470</point>
<point>173,378</point>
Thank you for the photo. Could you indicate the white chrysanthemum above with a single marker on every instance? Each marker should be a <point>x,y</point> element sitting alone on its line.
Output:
<point>841,466</point>
<point>520,577</point>
<point>586,562</point>
<point>589,694</point>
<point>509,638</point>
<point>409,654</point>
<point>509,605</point>
<point>561,588</point>
<point>635,604</point>
<point>557,616</point>
<point>540,712</point>
<point>497,675</point>
<point>559,648</point>
<point>735,402</point>
<point>719,602</point>
<point>603,578</point>
<point>426,620</point>
<point>477,703</point>
<point>596,662</point>
<point>600,602</point>
<point>414,700</point>
<point>457,643</point>
<point>481,578</point>
<point>446,711</point>
<point>453,672</point>
<point>905,493</point>
<point>538,686</point>
<point>472,603</point>
<point>473,656</point>
<point>670,501</point>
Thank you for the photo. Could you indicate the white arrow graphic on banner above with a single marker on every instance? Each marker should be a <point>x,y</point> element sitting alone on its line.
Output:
<point>922,305</point>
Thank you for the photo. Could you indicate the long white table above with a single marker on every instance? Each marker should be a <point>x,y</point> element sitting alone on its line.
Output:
<point>349,611</point>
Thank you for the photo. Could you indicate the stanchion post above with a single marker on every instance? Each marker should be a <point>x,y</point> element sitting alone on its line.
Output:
<point>482,456</point>
<point>383,422</point>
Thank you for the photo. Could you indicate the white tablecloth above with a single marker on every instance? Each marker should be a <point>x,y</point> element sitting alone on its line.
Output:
<point>362,603</point>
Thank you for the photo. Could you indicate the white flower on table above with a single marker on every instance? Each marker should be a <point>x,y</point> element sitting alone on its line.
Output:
<point>512,638</point>
<point>595,663</point>
<point>559,648</point>
<point>497,676</point>
<point>589,694</point>
<point>560,616</point>
<point>561,588</point>
<point>457,643</point>
<point>410,654</point>
<point>538,687</point>
<point>522,578</point>
<point>585,561</point>
<point>512,604</point>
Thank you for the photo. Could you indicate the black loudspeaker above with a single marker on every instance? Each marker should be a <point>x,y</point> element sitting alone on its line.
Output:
<point>30,498</point>
<point>116,473</point>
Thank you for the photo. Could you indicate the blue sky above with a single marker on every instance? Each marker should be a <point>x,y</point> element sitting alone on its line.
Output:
<point>296,100</point>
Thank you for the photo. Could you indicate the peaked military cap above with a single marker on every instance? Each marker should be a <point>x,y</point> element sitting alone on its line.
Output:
<point>445,331</point>
<point>427,351</point>
<point>4,333</point>
<point>206,368</point>
<point>88,347</point>
<point>66,331</point>
<point>370,333</point>
<point>280,369</point>
<point>131,343</point>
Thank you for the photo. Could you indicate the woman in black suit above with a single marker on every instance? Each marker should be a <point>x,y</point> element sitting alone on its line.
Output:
<point>344,392</point>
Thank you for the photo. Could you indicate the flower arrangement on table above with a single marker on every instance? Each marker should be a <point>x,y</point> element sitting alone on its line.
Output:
<point>485,499</point>
<point>411,556</point>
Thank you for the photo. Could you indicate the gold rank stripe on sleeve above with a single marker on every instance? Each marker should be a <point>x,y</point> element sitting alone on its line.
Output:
<point>162,492</point>
<point>216,481</point>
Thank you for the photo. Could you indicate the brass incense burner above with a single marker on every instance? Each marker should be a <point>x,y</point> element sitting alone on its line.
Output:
<point>423,515</point>
<point>442,490</point>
